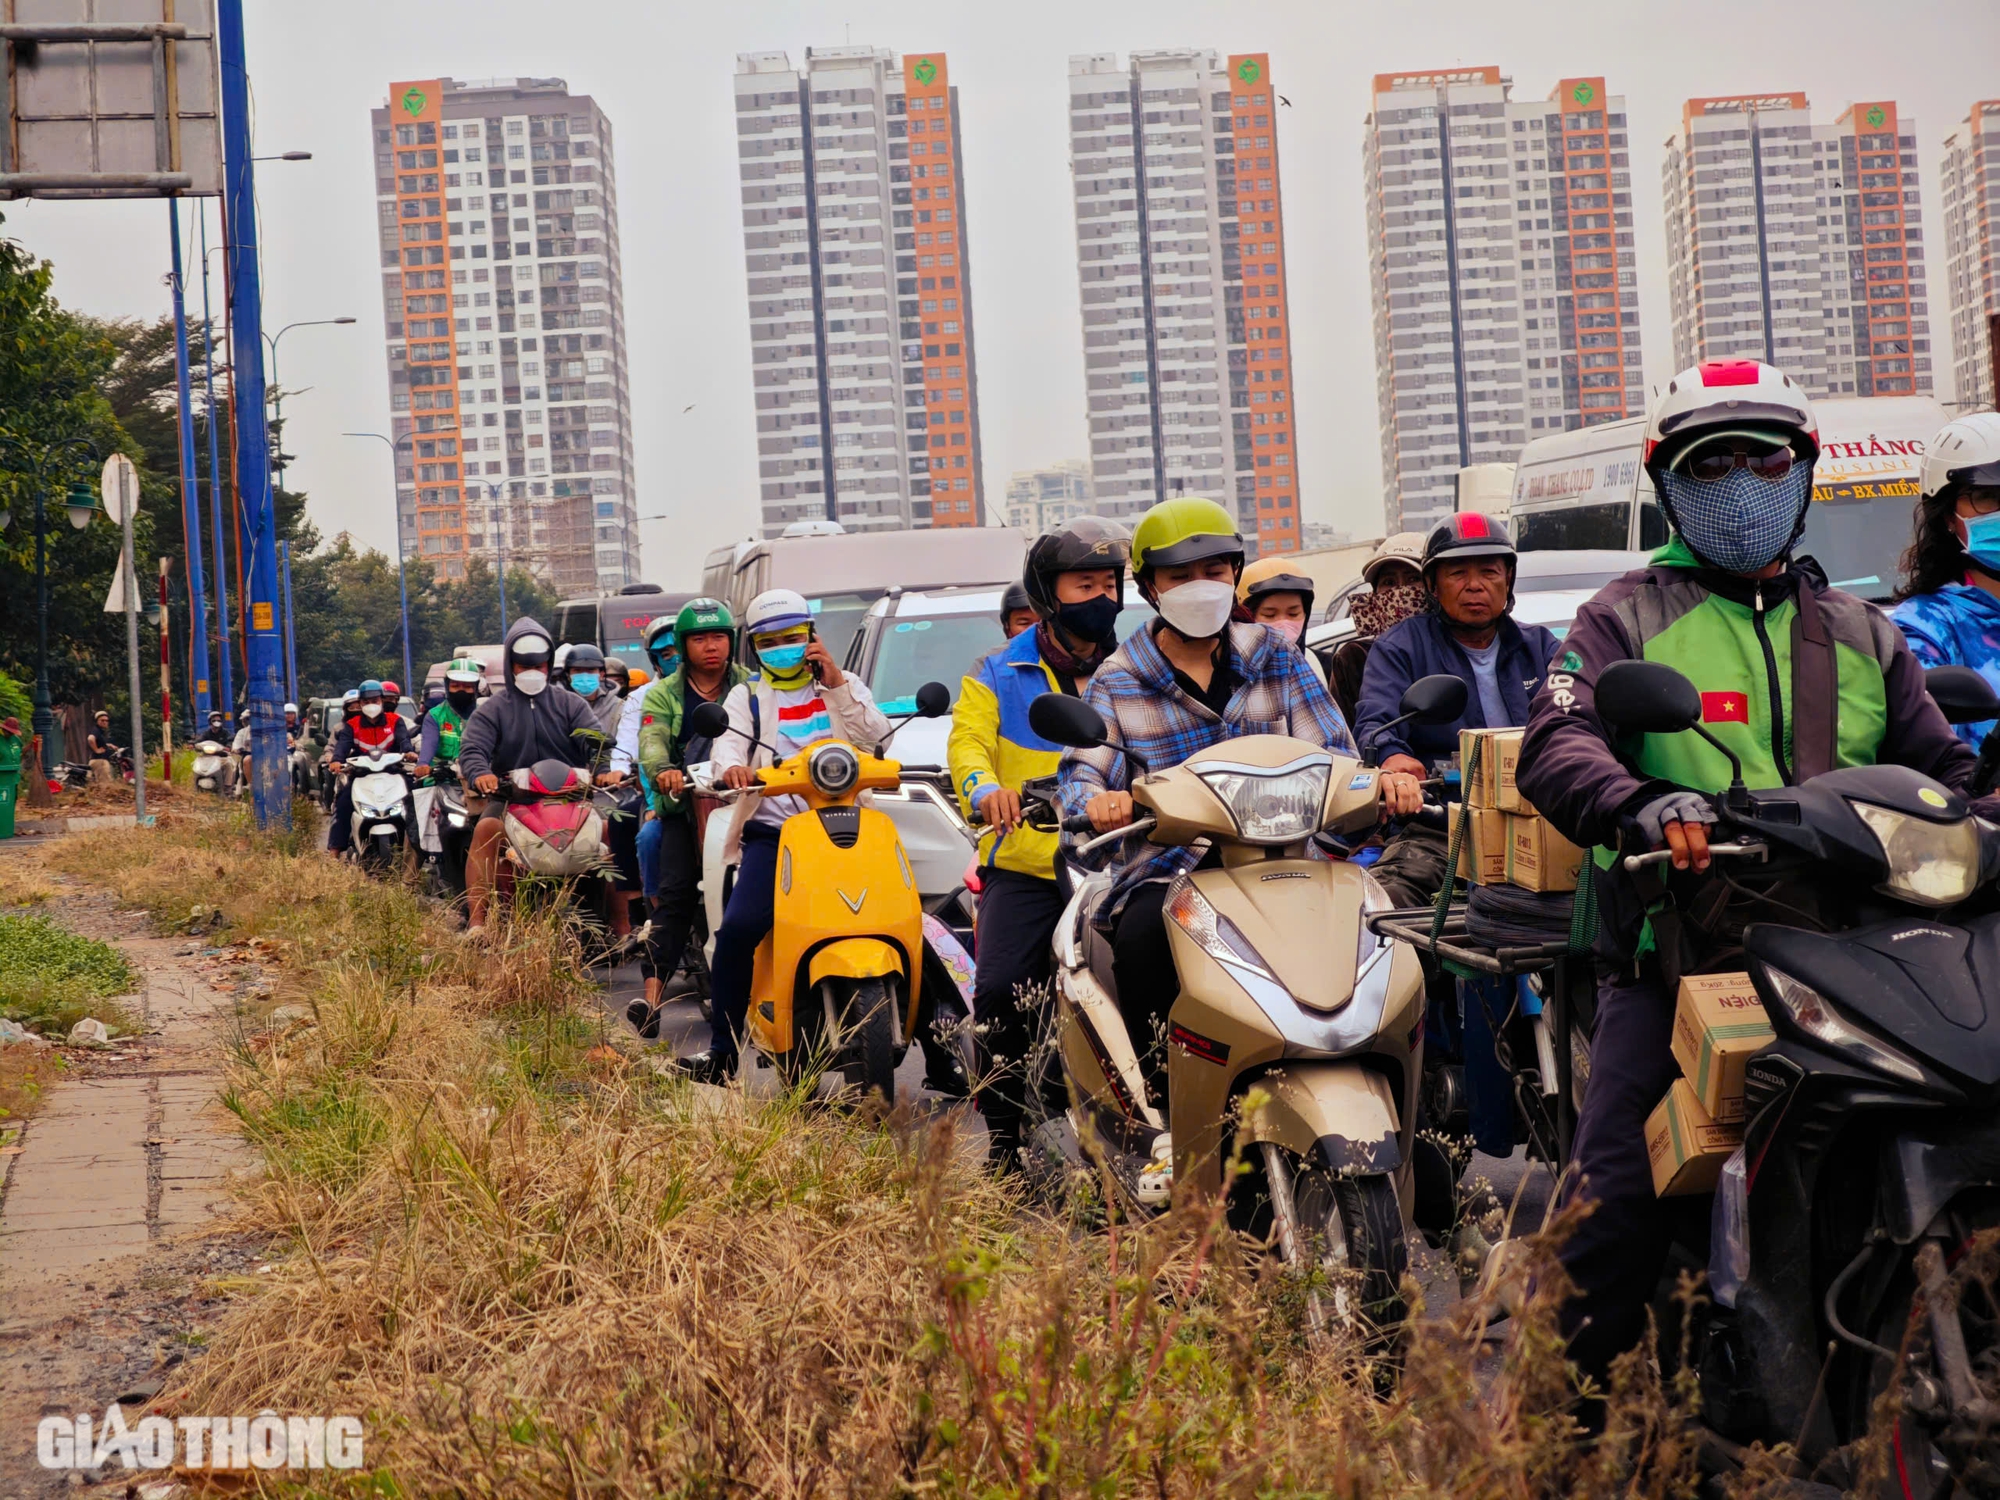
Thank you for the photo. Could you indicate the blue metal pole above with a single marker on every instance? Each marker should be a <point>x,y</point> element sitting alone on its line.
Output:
<point>269,765</point>
<point>190,484</point>
<point>291,628</point>
<point>215,487</point>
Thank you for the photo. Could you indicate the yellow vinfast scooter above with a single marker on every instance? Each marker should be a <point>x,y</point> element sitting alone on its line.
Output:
<point>835,983</point>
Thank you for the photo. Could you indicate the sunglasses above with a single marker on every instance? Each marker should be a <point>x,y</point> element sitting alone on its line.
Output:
<point>1718,463</point>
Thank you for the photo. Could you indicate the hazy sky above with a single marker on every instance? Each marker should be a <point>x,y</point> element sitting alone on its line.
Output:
<point>662,71</point>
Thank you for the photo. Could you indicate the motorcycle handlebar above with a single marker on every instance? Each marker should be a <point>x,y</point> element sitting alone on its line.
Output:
<point>1742,849</point>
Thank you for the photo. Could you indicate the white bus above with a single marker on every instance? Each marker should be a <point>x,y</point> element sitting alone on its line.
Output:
<point>1588,489</point>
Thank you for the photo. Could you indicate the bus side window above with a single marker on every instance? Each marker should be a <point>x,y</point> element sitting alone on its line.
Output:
<point>1652,525</point>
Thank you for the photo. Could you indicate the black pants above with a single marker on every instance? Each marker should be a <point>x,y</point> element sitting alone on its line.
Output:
<point>1412,866</point>
<point>1017,921</point>
<point>679,895</point>
<point>1148,983</point>
<point>1615,1257</point>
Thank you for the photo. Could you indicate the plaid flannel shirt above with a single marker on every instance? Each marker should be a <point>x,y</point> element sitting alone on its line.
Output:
<point>1145,709</point>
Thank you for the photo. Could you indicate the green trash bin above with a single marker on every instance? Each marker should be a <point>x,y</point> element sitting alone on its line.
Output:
<point>10,787</point>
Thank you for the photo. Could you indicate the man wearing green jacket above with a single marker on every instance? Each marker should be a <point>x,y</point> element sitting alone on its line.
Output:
<point>1797,679</point>
<point>705,633</point>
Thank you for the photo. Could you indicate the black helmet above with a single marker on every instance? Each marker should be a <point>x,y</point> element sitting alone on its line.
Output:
<point>1015,598</point>
<point>584,658</point>
<point>1468,533</point>
<point>1086,542</point>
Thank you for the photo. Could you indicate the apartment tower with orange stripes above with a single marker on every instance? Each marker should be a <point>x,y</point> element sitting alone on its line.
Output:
<point>1504,295</point>
<point>1180,230</point>
<point>860,277</point>
<point>505,324</point>
<point>1799,244</point>
<point>1971,181</point>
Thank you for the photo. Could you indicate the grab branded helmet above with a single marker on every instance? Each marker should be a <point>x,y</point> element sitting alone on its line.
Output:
<point>1964,454</point>
<point>702,616</point>
<point>1087,542</point>
<point>463,671</point>
<point>1186,529</point>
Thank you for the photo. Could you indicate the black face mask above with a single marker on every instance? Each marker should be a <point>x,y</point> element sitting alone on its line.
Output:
<point>462,703</point>
<point>1094,620</point>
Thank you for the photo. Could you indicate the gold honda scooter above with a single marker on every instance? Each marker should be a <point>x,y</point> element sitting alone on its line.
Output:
<point>1296,1029</point>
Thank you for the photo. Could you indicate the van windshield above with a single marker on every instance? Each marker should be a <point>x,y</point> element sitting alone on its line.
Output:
<point>1575,528</point>
<point>1860,542</point>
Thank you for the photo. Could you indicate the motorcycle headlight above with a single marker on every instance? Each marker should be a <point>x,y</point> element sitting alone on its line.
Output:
<point>1272,805</point>
<point>1932,864</point>
<point>833,769</point>
<point>1815,1016</point>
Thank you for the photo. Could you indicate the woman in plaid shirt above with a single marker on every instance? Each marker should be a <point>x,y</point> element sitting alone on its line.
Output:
<point>1189,680</point>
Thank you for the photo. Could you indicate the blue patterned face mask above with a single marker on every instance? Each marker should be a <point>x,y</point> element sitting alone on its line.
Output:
<point>1741,523</point>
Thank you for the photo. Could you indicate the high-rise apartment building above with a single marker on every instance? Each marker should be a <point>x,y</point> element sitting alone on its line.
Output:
<point>1180,251</point>
<point>1501,270</point>
<point>508,387</point>
<point>1797,244</point>
<point>854,231</point>
<point>1040,500</point>
<point>1972,253</point>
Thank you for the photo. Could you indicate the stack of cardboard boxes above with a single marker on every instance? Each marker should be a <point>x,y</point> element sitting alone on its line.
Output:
<point>1719,1025</point>
<point>1510,842</point>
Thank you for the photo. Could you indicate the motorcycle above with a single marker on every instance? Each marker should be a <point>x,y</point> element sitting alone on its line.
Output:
<point>552,823</point>
<point>215,768</point>
<point>1868,1193</point>
<point>382,819</point>
<point>1295,1026</point>
<point>838,981</point>
<point>443,803</point>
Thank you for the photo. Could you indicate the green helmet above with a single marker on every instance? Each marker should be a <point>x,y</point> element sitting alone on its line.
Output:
<point>703,614</point>
<point>1185,529</point>
<point>464,669</point>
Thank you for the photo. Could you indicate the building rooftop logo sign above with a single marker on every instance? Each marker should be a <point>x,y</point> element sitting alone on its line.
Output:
<point>1583,93</point>
<point>1876,116</point>
<point>1248,71</point>
<point>924,71</point>
<point>414,101</point>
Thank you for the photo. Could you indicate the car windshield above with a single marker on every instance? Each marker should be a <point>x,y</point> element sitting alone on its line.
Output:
<point>942,648</point>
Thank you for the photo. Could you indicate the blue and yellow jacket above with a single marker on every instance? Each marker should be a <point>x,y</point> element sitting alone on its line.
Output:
<point>992,746</point>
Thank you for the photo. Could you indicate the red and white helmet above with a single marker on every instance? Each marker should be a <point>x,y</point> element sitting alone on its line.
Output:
<point>1728,393</point>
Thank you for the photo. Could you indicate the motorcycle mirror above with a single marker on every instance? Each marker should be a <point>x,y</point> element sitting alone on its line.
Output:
<point>1963,695</point>
<point>1437,699</point>
<point>1064,720</point>
<point>933,701</point>
<point>1648,697</point>
<point>709,721</point>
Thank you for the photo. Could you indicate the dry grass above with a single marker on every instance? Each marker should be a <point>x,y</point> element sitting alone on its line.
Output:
<point>539,1269</point>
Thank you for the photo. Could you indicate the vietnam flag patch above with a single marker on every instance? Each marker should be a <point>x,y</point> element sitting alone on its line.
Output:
<point>1725,708</point>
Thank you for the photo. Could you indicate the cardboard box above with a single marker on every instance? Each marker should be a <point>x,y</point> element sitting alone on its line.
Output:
<point>1686,1147</point>
<point>1539,858</point>
<point>1719,1025</point>
<point>1484,789</point>
<point>1483,858</point>
<point>1506,751</point>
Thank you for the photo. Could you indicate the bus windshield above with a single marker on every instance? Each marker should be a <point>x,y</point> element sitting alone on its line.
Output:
<point>1860,542</point>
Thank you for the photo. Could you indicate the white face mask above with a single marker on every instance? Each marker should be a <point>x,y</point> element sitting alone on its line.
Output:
<point>531,683</point>
<point>371,710</point>
<point>1199,608</point>
<point>1291,630</point>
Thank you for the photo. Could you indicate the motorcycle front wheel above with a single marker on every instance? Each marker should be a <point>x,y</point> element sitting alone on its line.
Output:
<point>868,1007</point>
<point>1349,1231</point>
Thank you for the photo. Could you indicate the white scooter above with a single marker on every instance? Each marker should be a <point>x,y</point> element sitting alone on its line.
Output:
<point>381,794</point>
<point>214,768</point>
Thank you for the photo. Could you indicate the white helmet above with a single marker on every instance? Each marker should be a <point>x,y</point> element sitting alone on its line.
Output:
<point>775,610</point>
<point>291,708</point>
<point>561,657</point>
<point>1727,393</point>
<point>1965,451</point>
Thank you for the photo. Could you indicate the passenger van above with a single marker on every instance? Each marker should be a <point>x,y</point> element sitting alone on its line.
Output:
<point>1589,489</point>
<point>842,573</point>
<point>616,623</point>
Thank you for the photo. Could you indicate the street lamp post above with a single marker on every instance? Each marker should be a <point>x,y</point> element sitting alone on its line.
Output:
<point>81,505</point>
<point>493,498</point>
<point>409,676</point>
<point>277,386</point>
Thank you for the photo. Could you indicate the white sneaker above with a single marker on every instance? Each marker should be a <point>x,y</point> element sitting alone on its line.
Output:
<point>1156,1178</point>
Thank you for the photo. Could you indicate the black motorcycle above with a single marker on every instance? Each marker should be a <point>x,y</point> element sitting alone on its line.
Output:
<point>1863,1233</point>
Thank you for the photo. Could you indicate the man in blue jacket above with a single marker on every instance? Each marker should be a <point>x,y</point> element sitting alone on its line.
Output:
<point>1469,632</point>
